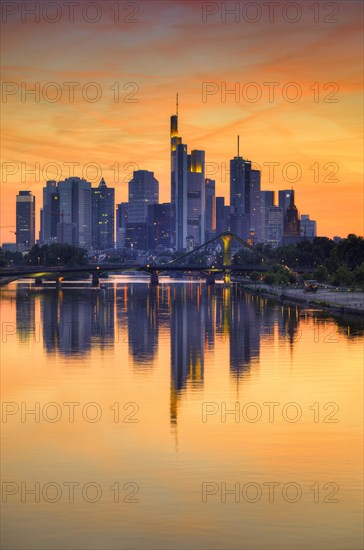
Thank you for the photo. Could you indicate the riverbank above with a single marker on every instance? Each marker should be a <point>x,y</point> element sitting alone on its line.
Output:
<point>334,301</point>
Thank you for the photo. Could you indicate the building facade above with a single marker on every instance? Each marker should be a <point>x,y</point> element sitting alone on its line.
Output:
<point>103,219</point>
<point>25,220</point>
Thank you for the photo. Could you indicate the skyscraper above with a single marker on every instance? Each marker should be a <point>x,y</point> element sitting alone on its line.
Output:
<point>25,220</point>
<point>103,207</point>
<point>178,186</point>
<point>75,220</point>
<point>266,200</point>
<point>253,206</point>
<point>121,221</point>
<point>49,213</point>
<point>143,191</point>
<point>291,219</point>
<point>284,198</point>
<point>244,198</point>
<point>210,209</point>
<point>222,216</point>
<point>274,228</point>
<point>159,226</point>
<point>196,197</point>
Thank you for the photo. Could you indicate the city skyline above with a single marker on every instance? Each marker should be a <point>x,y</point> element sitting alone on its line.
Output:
<point>321,129</point>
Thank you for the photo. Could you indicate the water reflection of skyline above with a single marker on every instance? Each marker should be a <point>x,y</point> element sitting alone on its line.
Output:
<point>194,317</point>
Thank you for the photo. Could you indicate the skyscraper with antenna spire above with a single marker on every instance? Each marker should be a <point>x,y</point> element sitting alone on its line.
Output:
<point>178,185</point>
<point>187,190</point>
<point>244,198</point>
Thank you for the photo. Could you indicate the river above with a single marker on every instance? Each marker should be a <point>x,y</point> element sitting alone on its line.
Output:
<point>178,416</point>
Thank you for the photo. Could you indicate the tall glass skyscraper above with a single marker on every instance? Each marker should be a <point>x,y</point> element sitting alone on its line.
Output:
<point>143,192</point>
<point>210,209</point>
<point>244,198</point>
<point>178,186</point>
<point>25,220</point>
<point>49,217</point>
<point>75,222</point>
<point>196,197</point>
<point>103,224</point>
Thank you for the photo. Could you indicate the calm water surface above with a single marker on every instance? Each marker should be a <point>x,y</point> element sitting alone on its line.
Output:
<point>177,416</point>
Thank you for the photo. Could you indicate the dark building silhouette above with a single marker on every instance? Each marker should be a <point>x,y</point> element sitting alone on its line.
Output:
<point>103,224</point>
<point>210,209</point>
<point>222,216</point>
<point>159,226</point>
<point>291,220</point>
<point>244,199</point>
<point>121,221</point>
<point>196,197</point>
<point>75,218</point>
<point>143,191</point>
<point>49,214</point>
<point>25,220</point>
<point>266,201</point>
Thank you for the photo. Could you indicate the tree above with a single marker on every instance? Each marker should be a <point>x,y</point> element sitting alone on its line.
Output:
<point>343,277</point>
<point>359,275</point>
<point>270,278</point>
<point>321,274</point>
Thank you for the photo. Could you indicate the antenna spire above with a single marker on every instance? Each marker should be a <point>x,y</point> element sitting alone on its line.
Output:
<point>238,145</point>
<point>177,105</point>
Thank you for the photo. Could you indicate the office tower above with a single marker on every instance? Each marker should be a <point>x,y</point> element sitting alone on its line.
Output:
<point>308,227</point>
<point>25,220</point>
<point>244,198</point>
<point>143,191</point>
<point>284,198</point>
<point>121,221</point>
<point>210,209</point>
<point>49,217</point>
<point>266,200</point>
<point>178,185</point>
<point>159,226</point>
<point>253,207</point>
<point>221,213</point>
<point>103,207</point>
<point>291,220</point>
<point>75,219</point>
<point>196,197</point>
<point>274,228</point>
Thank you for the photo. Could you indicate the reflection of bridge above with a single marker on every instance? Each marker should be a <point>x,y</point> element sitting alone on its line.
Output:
<point>186,263</point>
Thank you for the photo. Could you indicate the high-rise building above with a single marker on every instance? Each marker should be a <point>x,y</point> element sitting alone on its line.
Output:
<point>210,209</point>
<point>25,220</point>
<point>253,206</point>
<point>284,198</point>
<point>196,197</point>
<point>178,185</point>
<point>159,226</point>
<point>291,219</point>
<point>239,182</point>
<point>143,191</point>
<point>121,221</point>
<point>49,217</point>
<point>222,216</point>
<point>274,228</point>
<point>244,198</point>
<point>103,207</point>
<point>266,200</point>
<point>75,220</point>
<point>308,227</point>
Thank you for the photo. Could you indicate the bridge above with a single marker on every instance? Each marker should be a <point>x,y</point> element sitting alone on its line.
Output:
<point>191,262</point>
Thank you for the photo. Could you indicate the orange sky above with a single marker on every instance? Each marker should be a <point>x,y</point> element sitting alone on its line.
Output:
<point>169,49</point>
